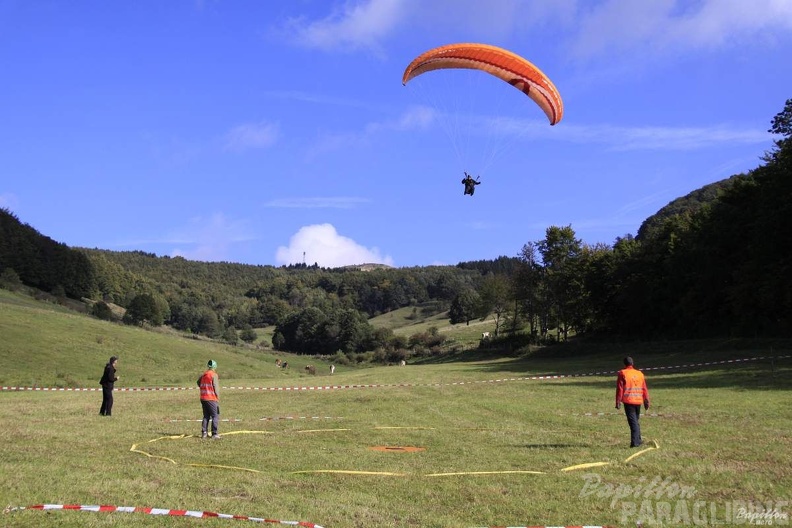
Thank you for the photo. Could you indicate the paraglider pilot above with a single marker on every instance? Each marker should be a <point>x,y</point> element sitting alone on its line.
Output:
<point>470,184</point>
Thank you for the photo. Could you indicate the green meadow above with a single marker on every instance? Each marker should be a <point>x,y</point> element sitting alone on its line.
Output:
<point>469,440</point>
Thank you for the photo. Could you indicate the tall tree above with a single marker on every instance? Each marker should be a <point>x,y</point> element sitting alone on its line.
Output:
<point>496,299</point>
<point>560,252</point>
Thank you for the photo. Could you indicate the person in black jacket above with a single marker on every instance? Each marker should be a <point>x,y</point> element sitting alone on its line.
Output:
<point>470,184</point>
<point>108,379</point>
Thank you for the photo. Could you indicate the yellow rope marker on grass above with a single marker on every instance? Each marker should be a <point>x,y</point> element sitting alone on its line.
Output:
<point>322,430</point>
<point>135,449</point>
<point>345,472</point>
<point>223,467</point>
<point>416,427</point>
<point>485,473</point>
<point>587,465</point>
<point>584,466</point>
<point>641,452</point>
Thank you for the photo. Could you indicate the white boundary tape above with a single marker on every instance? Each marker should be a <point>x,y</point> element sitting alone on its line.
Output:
<point>155,511</point>
<point>387,385</point>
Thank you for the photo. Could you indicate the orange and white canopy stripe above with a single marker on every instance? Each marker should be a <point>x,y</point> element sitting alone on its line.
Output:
<point>499,62</point>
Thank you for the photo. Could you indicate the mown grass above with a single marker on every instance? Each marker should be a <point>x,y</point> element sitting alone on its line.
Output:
<point>724,430</point>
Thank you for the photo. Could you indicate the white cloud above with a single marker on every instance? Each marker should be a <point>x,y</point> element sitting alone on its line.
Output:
<point>654,138</point>
<point>624,137</point>
<point>251,136</point>
<point>596,28</point>
<point>367,24</point>
<point>321,244</point>
<point>357,25</point>
<point>318,202</point>
<point>657,26</point>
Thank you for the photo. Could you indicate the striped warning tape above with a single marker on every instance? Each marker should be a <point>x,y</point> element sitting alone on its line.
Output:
<point>278,418</point>
<point>205,514</point>
<point>265,419</point>
<point>650,415</point>
<point>156,511</point>
<point>197,420</point>
<point>389,385</point>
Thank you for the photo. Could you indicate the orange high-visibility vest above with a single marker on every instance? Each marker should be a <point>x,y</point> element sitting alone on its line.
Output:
<point>634,386</point>
<point>207,387</point>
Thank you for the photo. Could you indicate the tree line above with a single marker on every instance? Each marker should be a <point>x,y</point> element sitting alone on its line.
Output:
<point>713,263</point>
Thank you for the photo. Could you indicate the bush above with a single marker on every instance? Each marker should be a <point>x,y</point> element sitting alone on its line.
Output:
<point>9,280</point>
<point>101,310</point>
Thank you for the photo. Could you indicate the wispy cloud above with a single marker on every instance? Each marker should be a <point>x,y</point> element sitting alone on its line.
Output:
<point>318,202</point>
<point>251,136</point>
<point>202,238</point>
<point>365,25</point>
<point>591,28</point>
<point>672,26</point>
<point>414,118</point>
<point>352,27</point>
<point>323,245</point>
<point>662,138</point>
<point>618,138</point>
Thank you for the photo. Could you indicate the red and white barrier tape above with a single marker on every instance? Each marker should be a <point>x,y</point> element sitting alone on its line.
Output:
<point>157,511</point>
<point>204,514</point>
<point>387,385</point>
<point>265,419</point>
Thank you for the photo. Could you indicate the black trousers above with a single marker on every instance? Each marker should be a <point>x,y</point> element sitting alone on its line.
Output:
<point>211,415</point>
<point>633,413</point>
<point>107,401</point>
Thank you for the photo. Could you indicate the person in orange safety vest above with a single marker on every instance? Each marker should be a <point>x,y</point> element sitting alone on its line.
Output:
<point>210,401</point>
<point>632,392</point>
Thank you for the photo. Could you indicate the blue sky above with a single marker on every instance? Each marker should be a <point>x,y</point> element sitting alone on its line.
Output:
<point>268,132</point>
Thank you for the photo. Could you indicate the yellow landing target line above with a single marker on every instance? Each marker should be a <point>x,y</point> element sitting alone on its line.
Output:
<point>135,449</point>
<point>586,465</point>
<point>641,452</point>
<point>416,428</point>
<point>516,471</point>
<point>322,430</point>
<point>345,472</point>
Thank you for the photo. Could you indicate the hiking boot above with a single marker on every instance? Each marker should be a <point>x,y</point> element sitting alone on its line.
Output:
<point>203,435</point>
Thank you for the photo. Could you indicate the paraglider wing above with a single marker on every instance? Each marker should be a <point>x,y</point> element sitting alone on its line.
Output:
<point>499,62</point>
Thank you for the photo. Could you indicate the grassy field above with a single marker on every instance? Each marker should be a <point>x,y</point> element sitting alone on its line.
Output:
<point>496,446</point>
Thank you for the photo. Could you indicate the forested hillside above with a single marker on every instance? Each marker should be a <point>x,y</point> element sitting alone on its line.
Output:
<point>716,262</point>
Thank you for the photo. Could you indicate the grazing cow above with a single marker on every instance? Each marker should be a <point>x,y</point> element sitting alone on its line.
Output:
<point>310,369</point>
<point>332,369</point>
<point>485,336</point>
<point>402,363</point>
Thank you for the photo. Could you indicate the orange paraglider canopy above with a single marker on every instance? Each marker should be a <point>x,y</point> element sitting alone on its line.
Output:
<point>499,62</point>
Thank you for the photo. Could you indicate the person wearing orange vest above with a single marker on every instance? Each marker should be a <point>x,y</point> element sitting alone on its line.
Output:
<point>210,402</point>
<point>632,392</point>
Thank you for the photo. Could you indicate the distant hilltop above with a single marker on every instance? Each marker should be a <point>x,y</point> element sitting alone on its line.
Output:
<point>366,267</point>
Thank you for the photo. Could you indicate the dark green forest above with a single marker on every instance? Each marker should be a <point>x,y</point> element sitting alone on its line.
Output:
<point>714,263</point>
